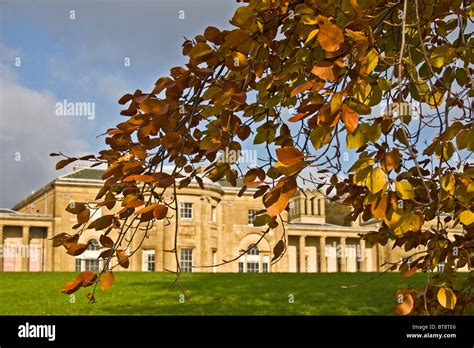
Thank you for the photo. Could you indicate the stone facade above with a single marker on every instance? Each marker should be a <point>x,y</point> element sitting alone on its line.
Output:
<point>214,224</point>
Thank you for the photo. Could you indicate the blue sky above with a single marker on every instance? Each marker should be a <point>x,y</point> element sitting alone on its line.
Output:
<point>81,60</point>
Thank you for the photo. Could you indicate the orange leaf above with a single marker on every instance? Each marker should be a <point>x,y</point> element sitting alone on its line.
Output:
<point>379,207</point>
<point>330,37</point>
<point>106,280</point>
<point>71,287</point>
<point>145,209</point>
<point>301,88</point>
<point>350,118</point>
<point>132,201</point>
<point>289,155</point>
<point>410,272</point>
<point>324,70</point>
<point>140,178</point>
<point>405,304</point>
<point>297,117</point>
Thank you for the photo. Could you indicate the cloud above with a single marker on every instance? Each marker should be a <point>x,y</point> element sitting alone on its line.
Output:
<point>29,131</point>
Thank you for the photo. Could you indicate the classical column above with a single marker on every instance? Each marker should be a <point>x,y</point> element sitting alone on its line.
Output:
<point>302,254</point>
<point>49,250</point>
<point>343,255</point>
<point>363,266</point>
<point>25,260</point>
<point>322,254</point>
<point>3,249</point>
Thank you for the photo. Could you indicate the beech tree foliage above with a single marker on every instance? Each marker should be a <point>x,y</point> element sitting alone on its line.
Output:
<point>373,94</point>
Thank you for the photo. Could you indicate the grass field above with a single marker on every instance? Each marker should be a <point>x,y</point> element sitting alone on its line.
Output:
<point>210,294</point>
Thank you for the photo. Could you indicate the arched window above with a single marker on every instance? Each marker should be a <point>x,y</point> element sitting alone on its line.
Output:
<point>250,262</point>
<point>93,244</point>
<point>253,250</point>
<point>89,259</point>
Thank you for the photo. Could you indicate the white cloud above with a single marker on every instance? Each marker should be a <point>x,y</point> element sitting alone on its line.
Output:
<point>29,131</point>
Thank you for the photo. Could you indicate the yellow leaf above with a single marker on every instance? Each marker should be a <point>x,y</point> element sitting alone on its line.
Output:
<point>376,180</point>
<point>447,298</point>
<point>311,35</point>
<point>404,190</point>
<point>467,217</point>
<point>372,61</point>
<point>200,50</point>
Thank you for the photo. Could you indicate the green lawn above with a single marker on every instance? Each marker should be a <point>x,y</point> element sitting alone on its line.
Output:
<point>213,294</point>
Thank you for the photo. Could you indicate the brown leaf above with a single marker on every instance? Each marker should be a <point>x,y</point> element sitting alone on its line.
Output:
<point>75,207</point>
<point>106,241</point>
<point>59,239</point>
<point>160,211</point>
<point>123,258</point>
<point>103,222</point>
<point>278,250</point>
<point>61,164</point>
<point>106,280</point>
<point>77,249</point>
<point>86,278</point>
<point>83,216</point>
<point>390,161</point>
<point>106,253</point>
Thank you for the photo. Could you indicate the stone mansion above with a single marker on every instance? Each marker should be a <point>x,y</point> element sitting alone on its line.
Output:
<point>214,224</point>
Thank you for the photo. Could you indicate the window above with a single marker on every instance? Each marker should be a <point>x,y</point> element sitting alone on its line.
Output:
<point>306,263</point>
<point>92,265</point>
<point>254,250</point>
<point>78,264</point>
<point>186,210</point>
<point>241,267</point>
<point>214,213</point>
<point>319,207</point>
<point>252,267</point>
<point>186,260</point>
<point>251,216</point>
<point>266,264</point>
<point>253,259</point>
<point>148,260</point>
